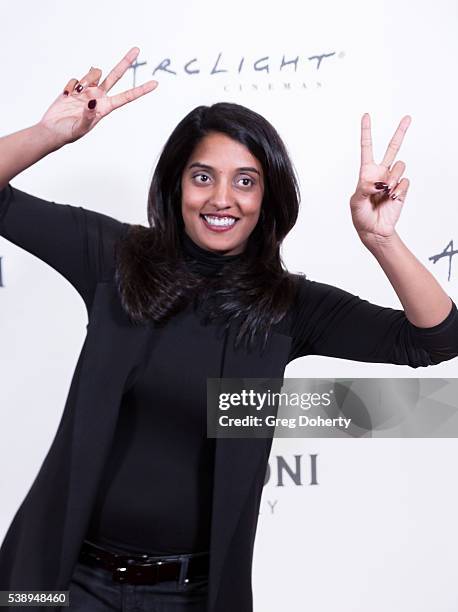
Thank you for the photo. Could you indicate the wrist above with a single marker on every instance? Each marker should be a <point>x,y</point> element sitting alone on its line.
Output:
<point>46,136</point>
<point>376,243</point>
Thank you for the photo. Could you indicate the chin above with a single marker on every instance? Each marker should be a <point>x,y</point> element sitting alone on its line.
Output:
<point>215,240</point>
<point>222,246</point>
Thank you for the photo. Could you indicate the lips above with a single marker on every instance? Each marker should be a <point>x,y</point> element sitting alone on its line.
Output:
<point>218,215</point>
<point>218,222</point>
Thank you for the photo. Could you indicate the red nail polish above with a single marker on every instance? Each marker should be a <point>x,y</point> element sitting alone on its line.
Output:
<point>65,92</point>
<point>380,185</point>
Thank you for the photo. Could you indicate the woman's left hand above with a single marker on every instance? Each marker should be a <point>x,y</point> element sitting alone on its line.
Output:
<point>381,191</point>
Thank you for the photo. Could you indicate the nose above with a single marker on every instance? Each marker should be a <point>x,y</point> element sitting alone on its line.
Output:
<point>221,195</point>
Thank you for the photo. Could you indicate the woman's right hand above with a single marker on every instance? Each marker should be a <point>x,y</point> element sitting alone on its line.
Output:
<point>69,117</point>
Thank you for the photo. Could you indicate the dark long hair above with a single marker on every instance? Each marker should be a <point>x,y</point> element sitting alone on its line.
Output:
<point>151,276</point>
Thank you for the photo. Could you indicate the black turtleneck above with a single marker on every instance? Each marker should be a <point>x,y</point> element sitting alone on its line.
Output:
<point>202,260</point>
<point>155,495</point>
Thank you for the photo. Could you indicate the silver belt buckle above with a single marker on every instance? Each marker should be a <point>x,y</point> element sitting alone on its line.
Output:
<point>125,571</point>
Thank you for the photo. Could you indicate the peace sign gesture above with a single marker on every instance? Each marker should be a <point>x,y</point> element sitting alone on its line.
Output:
<point>83,103</point>
<point>381,191</point>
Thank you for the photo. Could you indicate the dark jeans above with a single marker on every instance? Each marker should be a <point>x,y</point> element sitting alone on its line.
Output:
<point>93,590</point>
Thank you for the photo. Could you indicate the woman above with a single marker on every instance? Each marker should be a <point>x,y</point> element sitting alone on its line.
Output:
<point>134,506</point>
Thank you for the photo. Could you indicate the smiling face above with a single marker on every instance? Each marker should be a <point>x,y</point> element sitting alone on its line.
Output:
<point>222,188</point>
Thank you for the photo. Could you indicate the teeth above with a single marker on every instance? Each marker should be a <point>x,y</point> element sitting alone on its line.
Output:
<point>219,220</point>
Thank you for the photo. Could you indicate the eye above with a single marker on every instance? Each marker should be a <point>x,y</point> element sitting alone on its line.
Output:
<point>200,175</point>
<point>247,184</point>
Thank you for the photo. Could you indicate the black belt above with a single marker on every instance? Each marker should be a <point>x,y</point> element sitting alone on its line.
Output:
<point>143,568</point>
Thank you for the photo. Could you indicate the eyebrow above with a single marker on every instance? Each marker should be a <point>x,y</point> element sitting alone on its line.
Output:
<point>207,167</point>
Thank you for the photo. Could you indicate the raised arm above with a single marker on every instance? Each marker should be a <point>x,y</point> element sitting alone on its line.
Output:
<point>22,149</point>
<point>77,242</point>
<point>375,207</point>
<point>76,110</point>
<point>335,323</point>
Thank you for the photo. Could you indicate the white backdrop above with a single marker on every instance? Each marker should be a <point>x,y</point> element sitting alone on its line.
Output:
<point>378,531</point>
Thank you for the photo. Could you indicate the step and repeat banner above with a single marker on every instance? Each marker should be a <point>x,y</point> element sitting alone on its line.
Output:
<point>347,522</point>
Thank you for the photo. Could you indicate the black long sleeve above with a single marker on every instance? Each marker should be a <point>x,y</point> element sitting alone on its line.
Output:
<point>79,243</point>
<point>76,242</point>
<point>332,322</point>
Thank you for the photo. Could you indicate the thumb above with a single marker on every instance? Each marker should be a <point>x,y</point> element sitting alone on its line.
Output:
<point>88,114</point>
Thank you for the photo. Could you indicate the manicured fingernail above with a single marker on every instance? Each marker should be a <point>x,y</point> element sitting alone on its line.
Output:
<point>65,92</point>
<point>380,185</point>
<point>79,88</point>
<point>91,104</point>
<point>394,196</point>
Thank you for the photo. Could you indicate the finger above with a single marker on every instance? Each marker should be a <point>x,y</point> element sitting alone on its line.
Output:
<point>70,86</point>
<point>366,188</point>
<point>89,114</point>
<point>94,77</point>
<point>89,79</point>
<point>396,173</point>
<point>366,140</point>
<point>132,94</point>
<point>117,72</point>
<point>400,192</point>
<point>396,141</point>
